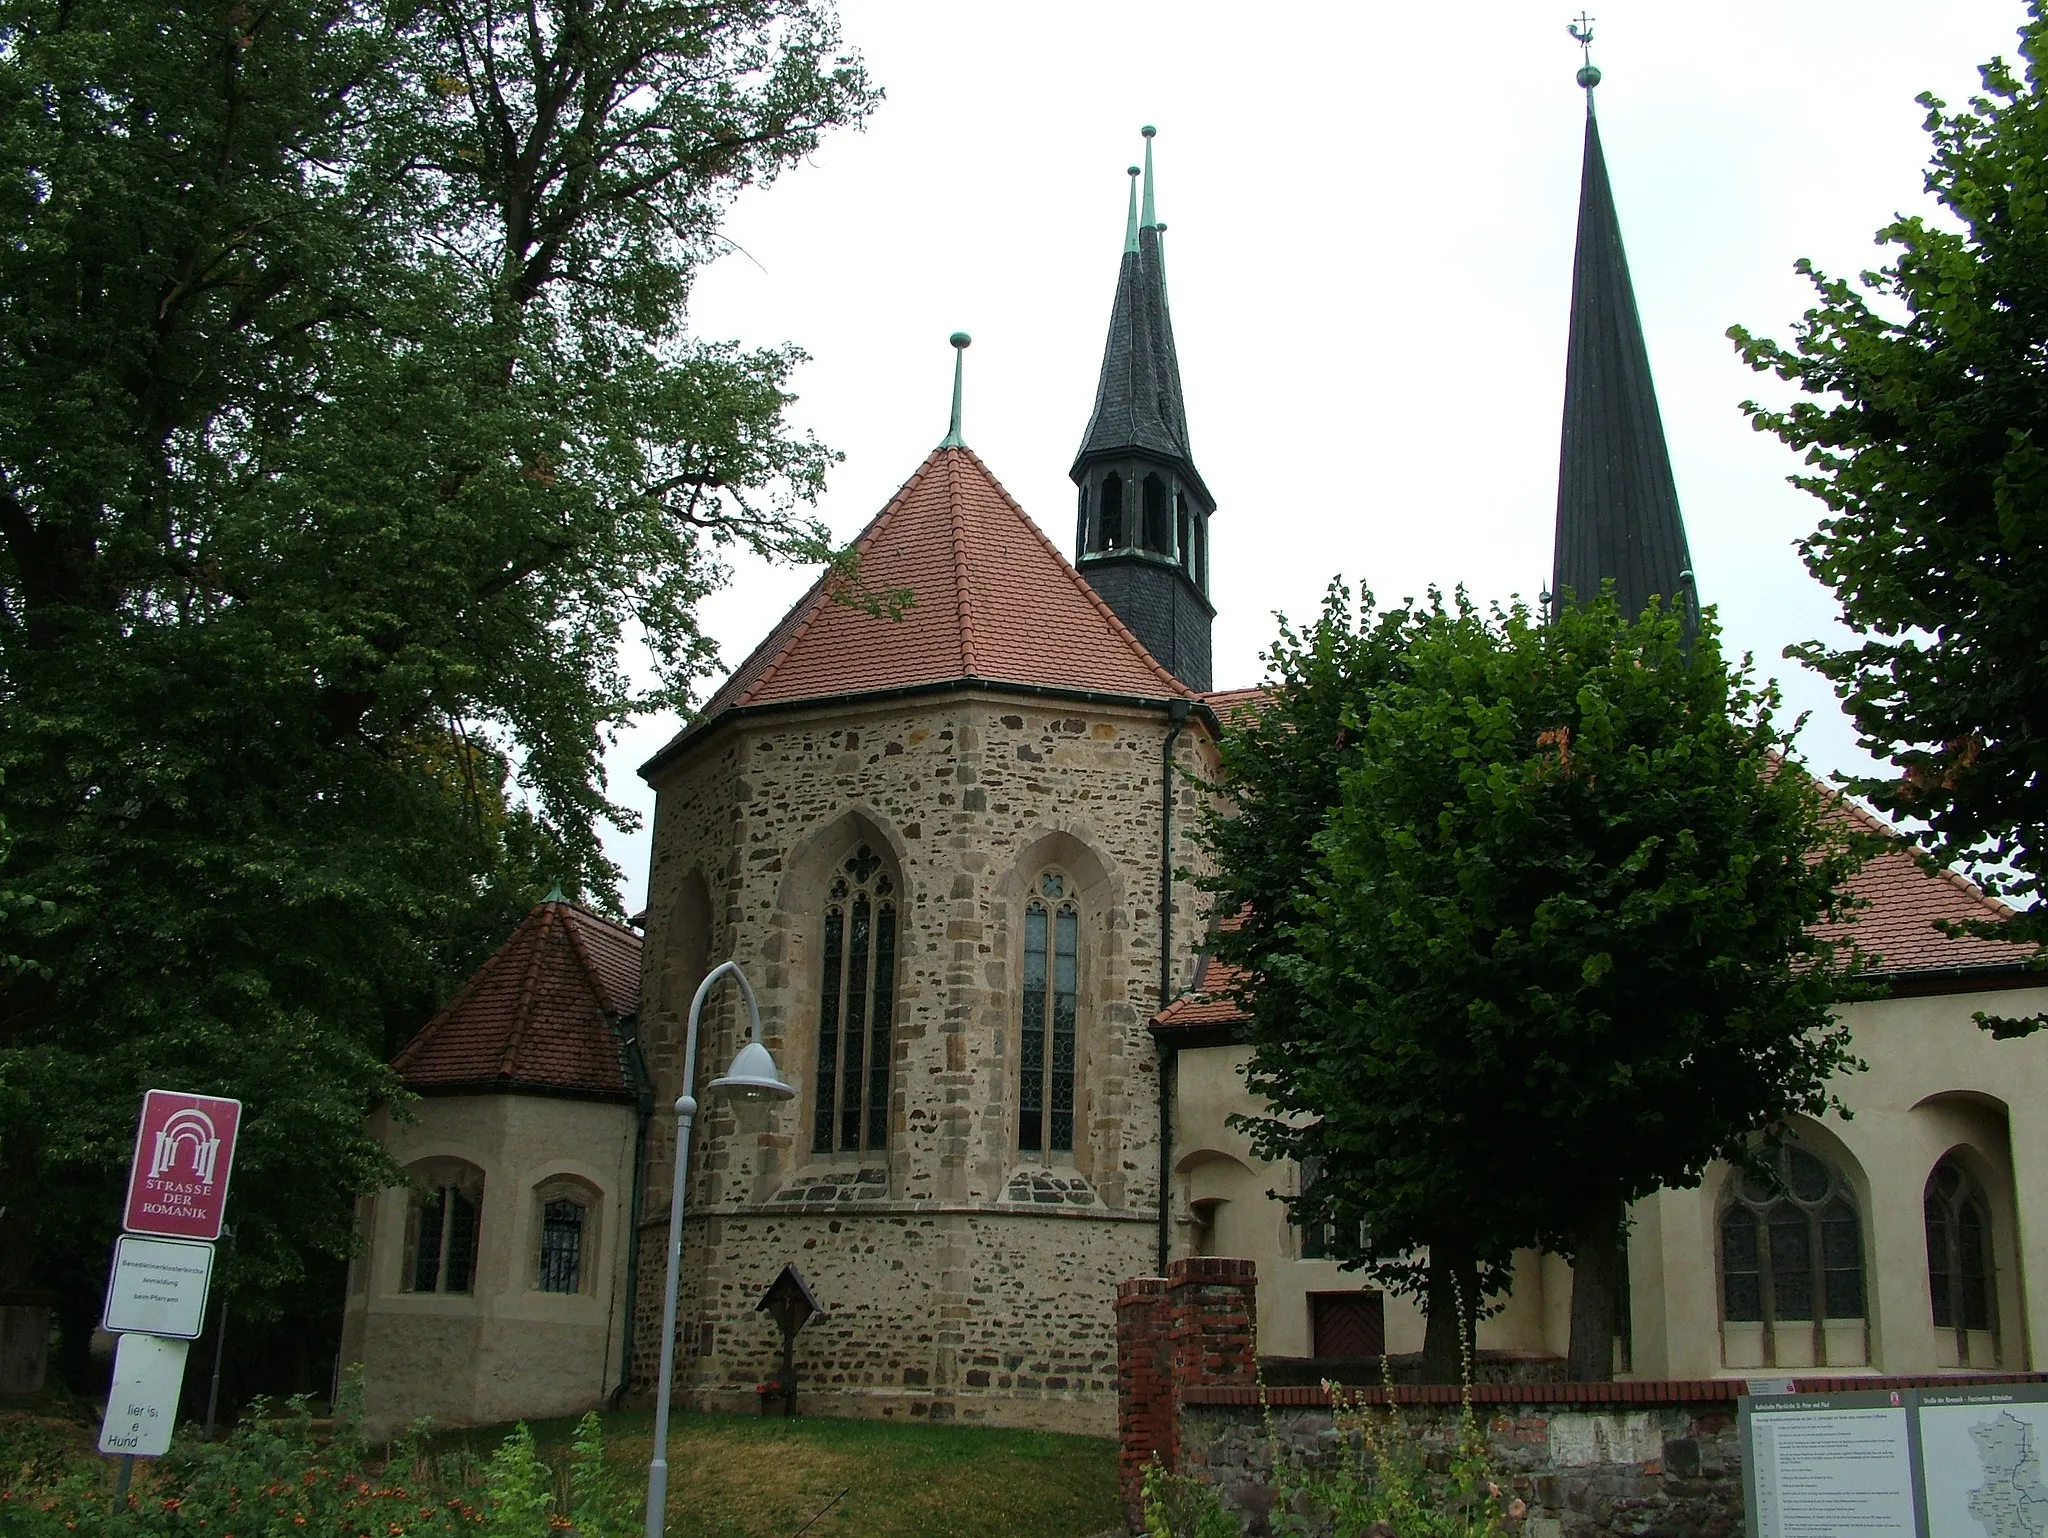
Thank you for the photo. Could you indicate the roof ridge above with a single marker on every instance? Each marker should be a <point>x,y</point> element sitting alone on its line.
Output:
<point>806,609</point>
<point>576,944</point>
<point>1955,878</point>
<point>515,1037</point>
<point>956,513</point>
<point>578,911</point>
<point>1174,686</point>
<point>462,995</point>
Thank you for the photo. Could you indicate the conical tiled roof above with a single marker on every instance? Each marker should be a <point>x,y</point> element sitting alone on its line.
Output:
<point>539,1015</point>
<point>992,601</point>
<point>1617,504</point>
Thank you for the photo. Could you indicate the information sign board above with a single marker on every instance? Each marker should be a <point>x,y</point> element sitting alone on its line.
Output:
<point>158,1286</point>
<point>1819,1466</point>
<point>1915,1463</point>
<point>184,1149</point>
<point>142,1405</point>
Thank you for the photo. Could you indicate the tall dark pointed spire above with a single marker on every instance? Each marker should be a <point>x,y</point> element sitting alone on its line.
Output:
<point>1142,535</point>
<point>1617,504</point>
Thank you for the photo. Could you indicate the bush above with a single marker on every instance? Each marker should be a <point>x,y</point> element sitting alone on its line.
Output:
<point>274,1478</point>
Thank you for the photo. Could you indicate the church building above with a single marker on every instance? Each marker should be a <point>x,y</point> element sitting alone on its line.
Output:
<point>943,846</point>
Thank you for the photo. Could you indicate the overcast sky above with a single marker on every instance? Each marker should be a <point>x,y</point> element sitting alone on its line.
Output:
<point>1370,217</point>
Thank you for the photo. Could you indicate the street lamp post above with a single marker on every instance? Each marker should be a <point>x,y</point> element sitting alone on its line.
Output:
<point>752,1076</point>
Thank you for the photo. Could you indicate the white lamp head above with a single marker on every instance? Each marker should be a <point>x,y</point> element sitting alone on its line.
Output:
<point>753,1076</point>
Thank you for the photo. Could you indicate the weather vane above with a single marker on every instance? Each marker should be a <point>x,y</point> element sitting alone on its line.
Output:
<point>1582,33</point>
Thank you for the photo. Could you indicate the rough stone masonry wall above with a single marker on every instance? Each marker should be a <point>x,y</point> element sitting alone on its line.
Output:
<point>1582,1468</point>
<point>957,1273</point>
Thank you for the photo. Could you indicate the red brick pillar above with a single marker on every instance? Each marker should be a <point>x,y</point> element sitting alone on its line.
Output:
<point>1215,1308</point>
<point>1145,1407</point>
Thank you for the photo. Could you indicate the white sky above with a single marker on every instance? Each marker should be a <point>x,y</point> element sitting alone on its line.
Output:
<point>1371,213</point>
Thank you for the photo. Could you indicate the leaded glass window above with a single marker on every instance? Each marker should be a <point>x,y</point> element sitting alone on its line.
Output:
<point>1792,1253</point>
<point>447,1200</point>
<point>856,1008</point>
<point>1047,1052</point>
<point>1959,1268</point>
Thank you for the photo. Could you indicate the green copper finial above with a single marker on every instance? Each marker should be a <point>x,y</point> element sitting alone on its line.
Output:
<point>1589,74</point>
<point>556,894</point>
<point>953,440</point>
<point>1131,219</point>
<point>1150,215</point>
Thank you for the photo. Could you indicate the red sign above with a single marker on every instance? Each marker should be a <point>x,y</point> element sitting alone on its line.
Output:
<point>184,1149</point>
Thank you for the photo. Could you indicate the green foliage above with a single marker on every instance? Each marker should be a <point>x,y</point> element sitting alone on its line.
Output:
<point>1549,948</point>
<point>277,1476</point>
<point>1181,1506</point>
<point>274,1475</point>
<point>1927,384</point>
<point>1387,1480</point>
<point>349,423</point>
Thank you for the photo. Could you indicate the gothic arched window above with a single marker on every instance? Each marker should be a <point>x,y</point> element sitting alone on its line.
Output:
<point>1046,1056</point>
<point>1792,1265</point>
<point>856,1008</point>
<point>1109,520</point>
<point>1184,529</point>
<point>1158,517</point>
<point>1959,1267</point>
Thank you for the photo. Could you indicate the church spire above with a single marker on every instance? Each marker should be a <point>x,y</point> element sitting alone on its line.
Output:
<point>1142,532</point>
<point>1617,504</point>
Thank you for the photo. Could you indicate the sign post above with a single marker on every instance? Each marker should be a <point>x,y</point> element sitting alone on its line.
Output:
<point>163,1264</point>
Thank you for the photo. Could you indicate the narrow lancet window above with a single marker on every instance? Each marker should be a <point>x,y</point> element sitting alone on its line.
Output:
<point>1184,529</point>
<point>1048,1055</point>
<point>856,1008</point>
<point>1110,518</point>
<point>1158,517</point>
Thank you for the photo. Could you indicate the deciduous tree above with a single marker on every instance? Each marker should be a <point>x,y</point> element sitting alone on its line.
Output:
<point>1552,945</point>
<point>349,424</point>
<point>1925,433</point>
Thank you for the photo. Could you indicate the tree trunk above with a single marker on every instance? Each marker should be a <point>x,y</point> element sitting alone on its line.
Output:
<point>1597,1281</point>
<point>1451,1302</point>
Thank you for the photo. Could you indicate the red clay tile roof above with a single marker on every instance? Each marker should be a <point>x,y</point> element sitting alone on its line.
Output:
<point>1228,702</point>
<point>1903,903</point>
<point>539,1013</point>
<point>1895,929</point>
<point>991,599</point>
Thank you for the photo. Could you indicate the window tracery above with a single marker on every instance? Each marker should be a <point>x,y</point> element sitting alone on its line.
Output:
<point>1792,1266</point>
<point>1047,1049</point>
<point>856,1008</point>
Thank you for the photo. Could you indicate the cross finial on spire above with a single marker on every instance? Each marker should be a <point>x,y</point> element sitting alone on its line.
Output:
<point>953,440</point>
<point>1589,73</point>
<point>1150,216</point>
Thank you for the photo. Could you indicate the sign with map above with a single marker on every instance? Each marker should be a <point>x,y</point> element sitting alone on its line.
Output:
<point>1982,1451</point>
<point>1966,1462</point>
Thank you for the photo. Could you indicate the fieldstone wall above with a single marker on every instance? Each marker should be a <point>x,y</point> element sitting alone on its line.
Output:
<point>1583,1469</point>
<point>961,1277</point>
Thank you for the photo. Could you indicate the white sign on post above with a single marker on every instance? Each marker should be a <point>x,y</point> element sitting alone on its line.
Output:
<point>143,1403</point>
<point>158,1286</point>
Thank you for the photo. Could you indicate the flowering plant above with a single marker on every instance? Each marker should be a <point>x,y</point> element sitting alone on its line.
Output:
<point>770,1387</point>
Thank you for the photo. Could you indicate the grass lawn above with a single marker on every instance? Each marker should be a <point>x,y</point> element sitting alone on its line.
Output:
<point>734,1476</point>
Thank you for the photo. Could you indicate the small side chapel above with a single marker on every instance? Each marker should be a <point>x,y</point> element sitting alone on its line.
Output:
<point>944,848</point>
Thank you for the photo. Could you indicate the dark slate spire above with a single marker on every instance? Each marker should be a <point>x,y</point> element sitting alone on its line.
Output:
<point>1617,505</point>
<point>1142,538</point>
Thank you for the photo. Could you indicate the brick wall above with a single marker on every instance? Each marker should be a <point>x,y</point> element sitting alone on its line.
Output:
<point>1191,1329</point>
